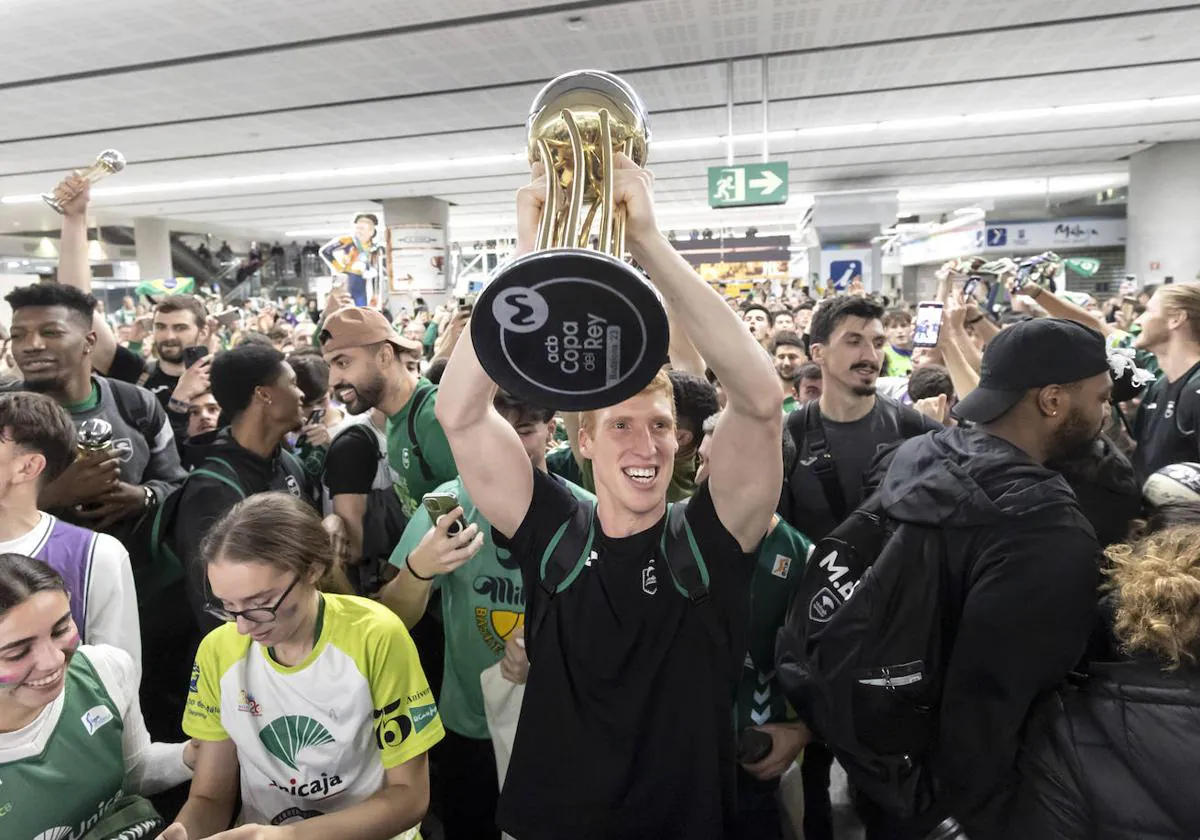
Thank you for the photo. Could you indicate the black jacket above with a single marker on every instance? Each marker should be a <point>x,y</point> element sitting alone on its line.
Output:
<point>204,500</point>
<point>1116,757</point>
<point>1021,572</point>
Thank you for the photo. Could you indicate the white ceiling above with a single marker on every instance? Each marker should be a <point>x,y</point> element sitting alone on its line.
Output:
<point>194,90</point>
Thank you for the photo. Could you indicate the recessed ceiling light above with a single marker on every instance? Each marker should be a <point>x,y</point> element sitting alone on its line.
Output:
<point>576,23</point>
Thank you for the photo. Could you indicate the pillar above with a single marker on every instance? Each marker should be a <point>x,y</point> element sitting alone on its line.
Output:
<point>152,241</point>
<point>419,232</point>
<point>1164,204</point>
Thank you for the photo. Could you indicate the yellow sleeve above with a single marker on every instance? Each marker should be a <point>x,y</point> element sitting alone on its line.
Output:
<point>202,716</point>
<point>406,719</point>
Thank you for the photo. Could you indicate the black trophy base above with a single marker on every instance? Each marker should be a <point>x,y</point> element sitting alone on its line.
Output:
<point>570,330</point>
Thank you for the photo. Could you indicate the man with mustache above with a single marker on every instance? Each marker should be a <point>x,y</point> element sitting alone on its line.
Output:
<point>836,439</point>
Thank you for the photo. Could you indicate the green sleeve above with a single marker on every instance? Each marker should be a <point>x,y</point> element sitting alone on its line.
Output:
<point>134,347</point>
<point>431,334</point>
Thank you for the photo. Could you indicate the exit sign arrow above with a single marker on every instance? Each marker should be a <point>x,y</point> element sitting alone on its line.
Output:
<point>748,185</point>
<point>768,183</point>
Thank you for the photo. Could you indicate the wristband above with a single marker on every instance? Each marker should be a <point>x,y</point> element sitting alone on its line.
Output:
<point>177,405</point>
<point>408,565</point>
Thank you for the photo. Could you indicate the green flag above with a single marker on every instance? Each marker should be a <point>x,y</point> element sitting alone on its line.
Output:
<point>171,286</point>
<point>1085,266</point>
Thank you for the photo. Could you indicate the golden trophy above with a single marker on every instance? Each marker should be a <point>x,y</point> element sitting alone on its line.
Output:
<point>571,325</point>
<point>108,162</point>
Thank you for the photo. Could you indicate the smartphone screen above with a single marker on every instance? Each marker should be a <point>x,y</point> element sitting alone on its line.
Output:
<point>928,326</point>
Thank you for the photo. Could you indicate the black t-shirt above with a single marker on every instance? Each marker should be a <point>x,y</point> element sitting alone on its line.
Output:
<point>854,446</point>
<point>1166,424</point>
<point>161,384</point>
<point>352,462</point>
<point>626,727</point>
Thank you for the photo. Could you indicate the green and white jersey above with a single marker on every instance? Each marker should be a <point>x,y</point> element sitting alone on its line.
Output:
<point>778,572</point>
<point>414,481</point>
<point>63,771</point>
<point>483,603</point>
<point>315,738</point>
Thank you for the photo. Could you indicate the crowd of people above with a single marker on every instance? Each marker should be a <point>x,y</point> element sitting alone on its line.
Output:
<point>299,569</point>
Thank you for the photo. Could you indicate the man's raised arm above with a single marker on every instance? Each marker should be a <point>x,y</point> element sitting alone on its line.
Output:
<point>490,458</point>
<point>74,269</point>
<point>746,467</point>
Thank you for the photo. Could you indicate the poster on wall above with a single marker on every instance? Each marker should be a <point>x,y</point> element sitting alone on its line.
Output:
<point>416,258</point>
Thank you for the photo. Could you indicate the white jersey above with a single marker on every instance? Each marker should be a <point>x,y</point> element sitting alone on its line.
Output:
<point>315,738</point>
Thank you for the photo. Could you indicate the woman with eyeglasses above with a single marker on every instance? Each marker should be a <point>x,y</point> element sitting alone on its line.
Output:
<point>75,757</point>
<point>316,703</point>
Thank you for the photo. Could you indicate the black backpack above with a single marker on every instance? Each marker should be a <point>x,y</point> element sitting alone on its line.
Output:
<point>156,564</point>
<point>861,655</point>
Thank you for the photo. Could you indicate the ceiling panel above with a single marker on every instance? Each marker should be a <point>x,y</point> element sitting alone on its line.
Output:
<point>455,79</point>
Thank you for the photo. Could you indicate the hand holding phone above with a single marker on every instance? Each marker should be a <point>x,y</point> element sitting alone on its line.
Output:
<point>440,504</point>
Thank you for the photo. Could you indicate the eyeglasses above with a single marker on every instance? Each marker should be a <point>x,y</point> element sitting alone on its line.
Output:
<point>255,615</point>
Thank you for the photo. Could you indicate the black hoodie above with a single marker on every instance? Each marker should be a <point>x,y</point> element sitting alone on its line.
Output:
<point>204,500</point>
<point>1022,569</point>
<point>1116,757</point>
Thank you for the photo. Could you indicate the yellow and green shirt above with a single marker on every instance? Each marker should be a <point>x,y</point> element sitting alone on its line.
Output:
<point>315,738</point>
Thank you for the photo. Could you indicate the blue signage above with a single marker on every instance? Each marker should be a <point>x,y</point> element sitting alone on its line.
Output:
<point>841,272</point>
<point>997,237</point>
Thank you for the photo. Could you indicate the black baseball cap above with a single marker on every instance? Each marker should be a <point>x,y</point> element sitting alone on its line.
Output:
<point>1028,355</point>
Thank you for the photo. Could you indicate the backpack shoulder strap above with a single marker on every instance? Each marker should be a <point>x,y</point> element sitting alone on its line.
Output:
<point>132,408</point>
<point>227,476</point>
<point>679,548</point>
<point>418,402</point>
<point>817,449</point>
<point>568,550</point>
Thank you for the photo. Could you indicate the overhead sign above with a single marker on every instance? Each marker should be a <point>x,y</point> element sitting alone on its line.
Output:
<point>944,245</point>
<point>748,185</point>
<point>1055,235</point>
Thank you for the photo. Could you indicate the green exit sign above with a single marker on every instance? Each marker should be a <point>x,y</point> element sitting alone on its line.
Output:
<point>748,185</point>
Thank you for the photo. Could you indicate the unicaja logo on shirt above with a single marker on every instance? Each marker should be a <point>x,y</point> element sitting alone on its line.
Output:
<point>284,737</point>
<point>317,787</point>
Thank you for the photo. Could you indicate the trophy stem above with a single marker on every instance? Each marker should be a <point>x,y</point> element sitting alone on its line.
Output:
<point>607,243</point>
<point>585,232</point>
<point>619,215</point>
<point>549,220</point>
<point>578,179</point>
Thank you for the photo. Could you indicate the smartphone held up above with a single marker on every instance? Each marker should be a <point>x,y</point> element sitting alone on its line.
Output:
<point>928,327</point>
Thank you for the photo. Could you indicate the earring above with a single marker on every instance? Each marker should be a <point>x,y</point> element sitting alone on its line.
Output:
<point>1053,413</point>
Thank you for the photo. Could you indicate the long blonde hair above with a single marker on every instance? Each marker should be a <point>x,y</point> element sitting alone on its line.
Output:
<point>1185,298</point>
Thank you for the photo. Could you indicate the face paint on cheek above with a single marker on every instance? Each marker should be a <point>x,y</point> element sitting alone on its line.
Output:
<point>11,678</point>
